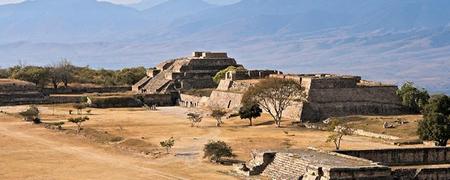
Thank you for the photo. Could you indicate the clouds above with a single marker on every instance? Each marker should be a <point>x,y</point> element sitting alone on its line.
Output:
<point>10,1</point>
<point>2,2</point>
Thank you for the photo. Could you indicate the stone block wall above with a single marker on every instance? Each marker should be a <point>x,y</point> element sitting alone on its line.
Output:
<point>82,90</point>
<point>192,101</point>
<point>226,100</point>
<point>403,157</point>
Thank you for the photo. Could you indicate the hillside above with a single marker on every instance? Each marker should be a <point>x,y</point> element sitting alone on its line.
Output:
<point>385,40</point>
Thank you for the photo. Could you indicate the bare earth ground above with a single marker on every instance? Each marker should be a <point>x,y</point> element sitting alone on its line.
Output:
<point>33,152</point>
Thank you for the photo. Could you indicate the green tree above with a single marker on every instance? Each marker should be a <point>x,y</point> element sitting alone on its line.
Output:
<point>167,144</point>
<point>130,76</point>
<point>37,75</point>
<point>221,74</point>
<point>412,97</point>
<point>65,69</point>
<point>435,125</point>
<point>439,103</point>
<point>275,95</point>
<point>216,150</point>
<point>78,121</point>
<point>250,111</point>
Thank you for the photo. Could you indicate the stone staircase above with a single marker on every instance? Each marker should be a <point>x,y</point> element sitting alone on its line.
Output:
<point>157,83</point>
<point>284,166</point>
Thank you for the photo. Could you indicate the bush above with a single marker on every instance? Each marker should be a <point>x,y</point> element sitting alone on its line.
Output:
<point>167,144</point>
<point>194,118</point>
<point>215,150</point>
<point>30,114</point>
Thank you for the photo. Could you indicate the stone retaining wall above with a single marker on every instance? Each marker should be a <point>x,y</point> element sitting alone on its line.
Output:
<point>405,156</point>
<point>82,90</point>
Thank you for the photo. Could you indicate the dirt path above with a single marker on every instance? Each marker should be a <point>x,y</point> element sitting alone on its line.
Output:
<point>114,167</point>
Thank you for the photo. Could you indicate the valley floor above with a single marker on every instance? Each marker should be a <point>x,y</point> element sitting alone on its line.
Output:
<point>30,151</point>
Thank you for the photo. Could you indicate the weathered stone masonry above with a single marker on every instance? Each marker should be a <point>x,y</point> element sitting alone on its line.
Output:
<point>327,95</point>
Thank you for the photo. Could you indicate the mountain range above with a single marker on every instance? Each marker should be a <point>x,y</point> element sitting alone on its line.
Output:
<point>385,40</point>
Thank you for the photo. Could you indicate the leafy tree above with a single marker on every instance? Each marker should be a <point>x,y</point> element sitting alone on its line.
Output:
<point>339,131</point>
<point>274,96</point>
<point>250,111</point>
<point>65,69</point>
<point>216,150</point>
<point>168,144</point>
<point>221,74</point>
<point>435,127</point>
<point>130,76</point>
<point>218,114</point>
<point>412,97</point>
<point>34,74</point>
<point>5,73</point>
<point>439,103</point>
<point>78,121</point>
<point>194,118</point>
<point>436,123</point>
<point>31,114</point>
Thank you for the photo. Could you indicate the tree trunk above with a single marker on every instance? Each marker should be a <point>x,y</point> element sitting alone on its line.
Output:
<point>251,122</point>
<point>55,85</point>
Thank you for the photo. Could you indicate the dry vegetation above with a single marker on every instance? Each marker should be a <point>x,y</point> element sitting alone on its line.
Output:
<point>123,143</point>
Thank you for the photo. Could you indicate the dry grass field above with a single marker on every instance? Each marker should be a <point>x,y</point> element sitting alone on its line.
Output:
<point>30,151</point>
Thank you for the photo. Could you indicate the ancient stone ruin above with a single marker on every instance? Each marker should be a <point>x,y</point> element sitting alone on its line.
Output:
<point>19,92</point>
<point>327,95</point>
<point>408,163</point>
<point>185,73</point>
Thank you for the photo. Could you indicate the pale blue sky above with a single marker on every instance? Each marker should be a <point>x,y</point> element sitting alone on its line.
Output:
<point>129,1</point>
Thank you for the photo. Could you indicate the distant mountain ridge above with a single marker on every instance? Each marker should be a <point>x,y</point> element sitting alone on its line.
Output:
<point>384,40</point>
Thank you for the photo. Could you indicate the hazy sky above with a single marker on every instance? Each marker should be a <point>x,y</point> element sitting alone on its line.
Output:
<point>130,1</point>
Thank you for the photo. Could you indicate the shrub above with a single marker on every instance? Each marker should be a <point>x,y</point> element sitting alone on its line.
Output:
<point>30,114</point>
<point>78,121</point>
<point>79,107</point>
<point>168,144</point>
<point>215,150</point>
<point>194,118</point>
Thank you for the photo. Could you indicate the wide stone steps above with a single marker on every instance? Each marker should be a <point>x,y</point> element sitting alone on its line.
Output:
<point>156,83</point>
<point>285,167</point>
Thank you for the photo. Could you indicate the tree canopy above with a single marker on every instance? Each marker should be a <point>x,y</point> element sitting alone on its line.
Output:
<point>221,74</point>
<point>412,97</point>
<point>64,72</point>
<point>274,96</point>
<point>435,125</point>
